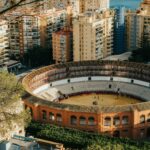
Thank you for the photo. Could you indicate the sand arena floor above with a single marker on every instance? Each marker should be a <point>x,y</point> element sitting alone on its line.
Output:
<point>100,100</point>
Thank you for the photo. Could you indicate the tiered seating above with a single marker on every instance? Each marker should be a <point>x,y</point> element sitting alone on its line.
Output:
<point>105,86</point>
<point>50,94</point>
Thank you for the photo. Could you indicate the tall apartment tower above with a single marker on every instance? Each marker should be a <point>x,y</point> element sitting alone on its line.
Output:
<point>85,5</point>
<point>119,30</point>
<point>62,45</point>
<point>93,35</point>
<point>4,43</point>
<point>31,30</point>
<point>80,6</point>
<point>138,27</point>
<point>24,34</point>
<point>51,21</point>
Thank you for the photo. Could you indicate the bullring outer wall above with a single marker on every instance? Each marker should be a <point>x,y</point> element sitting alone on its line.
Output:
<point>124,121</point>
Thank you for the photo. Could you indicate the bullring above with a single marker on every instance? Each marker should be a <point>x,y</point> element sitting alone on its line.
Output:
<point>60,81</point>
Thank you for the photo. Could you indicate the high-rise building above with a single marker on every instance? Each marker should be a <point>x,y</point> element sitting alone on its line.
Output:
<point>4,43</point>
<point>94,4</point>
<point>28,31</point>
<point>51,21</point>
<point>119,30</point>
<point>80,6</point>
<point>93,35</point>
<point>85,5</point>
<point>24,33</point>
<point>62,45</point>
<point>138,26</point>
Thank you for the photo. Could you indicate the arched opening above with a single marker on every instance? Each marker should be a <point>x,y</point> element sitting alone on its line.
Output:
<point>125,120</point>
<point>82,120</point>
<point>91,121</point>
<point>116,121</point>
<point>148,132</point>
<point>116,133</point>
<point>142,119</point>
<point>107,121</point>
<point>73,120</point>
<point>58,118</point>
<point>51,116</point>
<point>148,118</point>
<point>44,115</point>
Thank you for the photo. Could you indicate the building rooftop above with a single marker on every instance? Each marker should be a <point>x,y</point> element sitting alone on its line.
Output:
<point>121,57</point>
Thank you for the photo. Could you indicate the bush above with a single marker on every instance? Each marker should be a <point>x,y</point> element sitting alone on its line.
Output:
<point>78,139</point>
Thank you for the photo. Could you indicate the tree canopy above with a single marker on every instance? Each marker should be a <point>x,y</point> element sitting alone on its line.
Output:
<point>11,108</point>
<point>76,139</point>
<point>142,54</point>
<point>38,56</point>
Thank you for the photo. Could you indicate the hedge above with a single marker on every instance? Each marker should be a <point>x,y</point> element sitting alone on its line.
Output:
<point>74,138</point>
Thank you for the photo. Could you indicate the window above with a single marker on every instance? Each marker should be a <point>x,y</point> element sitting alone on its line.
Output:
<point>58,118</point>
<point>109,86</point>
<point>107,121</point>
<point>132,81</point>
<point>111,78</point>
<point>116,121</point>
<point>142,119</point>
<point>89,78</point>
<point>73,120</point>
<point>91,121</point>
<point>44,115</point>
<point>51,116</point>
<point>125,120</point>
<point>82,120</point>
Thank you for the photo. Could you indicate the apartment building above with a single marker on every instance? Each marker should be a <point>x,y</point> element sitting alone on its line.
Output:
<point>51,21</point>
<point>24,33</point>
<point>85,5</point>
<point>4,43</point>
<point>138,26</point>
<point>93,35</point>
<point>119,30</point>
<point>80,6</point>
<point>62,45</point>
<point>36,6</point>
<point>1,4</point>
<point>30,30</point>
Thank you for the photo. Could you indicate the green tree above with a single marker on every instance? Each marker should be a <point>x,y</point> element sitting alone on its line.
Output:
<point>11,108</point>
<point>38,56</point>
<point>74,138</point>
<point>142,54</point>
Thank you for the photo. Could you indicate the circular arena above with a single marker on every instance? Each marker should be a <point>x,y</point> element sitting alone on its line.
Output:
<point>107,97</point>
